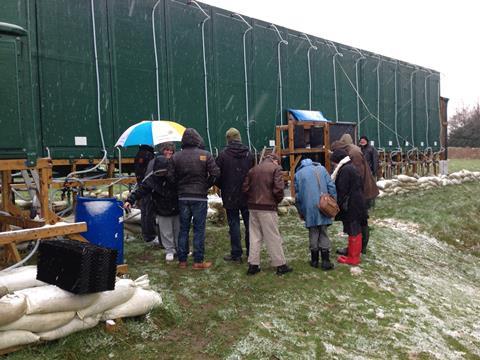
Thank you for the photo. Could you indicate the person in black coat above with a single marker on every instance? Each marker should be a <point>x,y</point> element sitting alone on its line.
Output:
<point>351,201</point>
<point>143,157</point>
<point>234,161</point>
<point>163,197</point>
<point>194,171</point>
<point>370,154</point>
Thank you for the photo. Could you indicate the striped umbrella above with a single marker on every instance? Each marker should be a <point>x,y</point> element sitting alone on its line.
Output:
<point>151,133</point>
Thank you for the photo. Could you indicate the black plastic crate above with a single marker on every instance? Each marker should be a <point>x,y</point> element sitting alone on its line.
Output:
<point>77,267</point>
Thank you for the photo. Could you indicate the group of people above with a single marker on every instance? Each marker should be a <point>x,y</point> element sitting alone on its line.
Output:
<point>353,185</point>
<point>174,186</point>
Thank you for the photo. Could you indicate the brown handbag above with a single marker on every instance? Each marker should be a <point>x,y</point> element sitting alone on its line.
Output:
<point>327,204</point>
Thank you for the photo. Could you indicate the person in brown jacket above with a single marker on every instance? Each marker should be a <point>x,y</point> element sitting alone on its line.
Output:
<point>263,186</point>
<point>370,189</point>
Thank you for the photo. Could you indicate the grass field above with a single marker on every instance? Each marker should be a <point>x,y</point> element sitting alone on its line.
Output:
<point>459,164</point>
<point>415,296</point>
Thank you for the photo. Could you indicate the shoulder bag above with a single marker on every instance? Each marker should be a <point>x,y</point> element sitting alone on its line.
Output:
<point>327,204</point>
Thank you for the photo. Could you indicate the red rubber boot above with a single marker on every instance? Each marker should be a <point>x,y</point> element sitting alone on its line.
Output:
<point>354,251</point>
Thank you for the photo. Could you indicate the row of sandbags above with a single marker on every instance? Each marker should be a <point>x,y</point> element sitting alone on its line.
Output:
<point>402,184</point>
<point>32,311</point>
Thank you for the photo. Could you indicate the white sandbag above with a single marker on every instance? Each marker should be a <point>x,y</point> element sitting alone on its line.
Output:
<point>124,290</point>
<point>73,326</point>
<point>16,338</point>
<point>436,180</point>
<point>3,291</point>
<point>143,282</point>
<point>142,302</point>
<point>405,178</point>
<point>12,308</point>
<point>50,298</point>
<point>381,184</point>
<point>40,322</point>
<point>20,278</point>
<point>133,217</point>
<point>423,180</point>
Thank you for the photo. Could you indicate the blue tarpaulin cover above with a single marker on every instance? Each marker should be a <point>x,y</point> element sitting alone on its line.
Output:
<point>307,115</point>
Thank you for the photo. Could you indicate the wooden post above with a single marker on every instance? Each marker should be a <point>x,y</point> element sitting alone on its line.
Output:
<point>45,179</point>
<point>110,172</point>
<point>6,195</point>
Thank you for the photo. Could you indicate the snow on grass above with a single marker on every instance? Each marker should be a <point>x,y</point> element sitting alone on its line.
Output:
<point>413,296</point>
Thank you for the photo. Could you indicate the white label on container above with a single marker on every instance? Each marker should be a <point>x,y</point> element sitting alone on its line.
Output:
<point>434,143</point>
<point>271,143</point>
<point>421,143</point>
<point>406,143</point>
<point>372,142</point>
<point>390,142</point>
<point>80,141</point>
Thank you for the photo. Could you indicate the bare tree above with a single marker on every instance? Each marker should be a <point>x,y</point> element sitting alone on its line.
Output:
<point>464,127</point>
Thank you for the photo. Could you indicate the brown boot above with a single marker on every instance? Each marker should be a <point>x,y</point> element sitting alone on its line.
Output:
<point>182,264</point>
<point>201,266</point>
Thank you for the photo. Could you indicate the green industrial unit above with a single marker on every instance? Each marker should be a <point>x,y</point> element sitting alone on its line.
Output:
<point>201,66</point>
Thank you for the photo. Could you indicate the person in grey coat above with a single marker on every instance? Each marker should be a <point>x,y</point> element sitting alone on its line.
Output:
<point>311,181</point>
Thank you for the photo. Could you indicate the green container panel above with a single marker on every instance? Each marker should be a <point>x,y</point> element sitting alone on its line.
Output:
<point>133,64</point>
<point>346,98</point>
<point>322,69</point>
<point>369,91</point>
<point>19,125</point>
<point>297,87</point>
<point>185,66</point>
<point>229,76</point>
<point>266,112</point>
<point>49,92</point>
<point>68,88</point>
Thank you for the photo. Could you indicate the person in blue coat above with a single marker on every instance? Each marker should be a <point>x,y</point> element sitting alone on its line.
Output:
<point>312,180</point>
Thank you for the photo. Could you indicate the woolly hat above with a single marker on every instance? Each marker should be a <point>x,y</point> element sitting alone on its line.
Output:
<point>338,155</point>
<point>233,134</point>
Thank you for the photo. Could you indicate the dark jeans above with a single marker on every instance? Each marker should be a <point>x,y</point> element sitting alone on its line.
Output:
<point>147,219</point>
<point>233,217</point>
<point>196,210</point>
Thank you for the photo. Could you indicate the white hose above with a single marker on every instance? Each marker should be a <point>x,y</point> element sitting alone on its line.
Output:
<point>205,74</point>
<point>24,260</point>
<point>99,112</point>
<point>335,76</point>
<point>358,86</point>
<point>377,70</point>
<point>426,109</point>
<point>246,75</point>
<point>412,124</point>
<point>279,64</point>
<point>396,105</point>
<point>309,70</point>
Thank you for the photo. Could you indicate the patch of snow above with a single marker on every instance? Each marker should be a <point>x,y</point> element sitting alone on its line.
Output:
<point>95,208</point>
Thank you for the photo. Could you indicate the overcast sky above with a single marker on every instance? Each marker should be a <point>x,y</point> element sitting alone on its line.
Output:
<point>443,35</point>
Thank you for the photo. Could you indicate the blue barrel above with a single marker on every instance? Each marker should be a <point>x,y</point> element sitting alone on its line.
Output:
<point>104,218</point>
